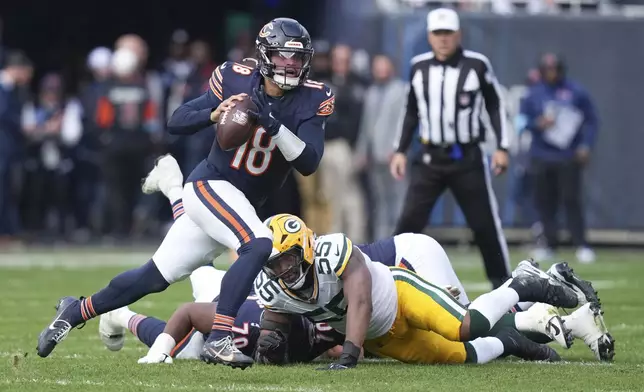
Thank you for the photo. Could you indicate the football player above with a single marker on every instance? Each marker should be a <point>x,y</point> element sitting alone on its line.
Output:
<point>424,256</point>
<point>222,192</point>
<point>393,312</point>
<point>183,336</point>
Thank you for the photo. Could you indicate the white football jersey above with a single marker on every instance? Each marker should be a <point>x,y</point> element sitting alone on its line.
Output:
<point>327,304</point>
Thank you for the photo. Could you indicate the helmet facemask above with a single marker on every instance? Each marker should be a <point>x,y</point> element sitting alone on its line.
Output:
<point>289,267</point>
<point>274,60</point>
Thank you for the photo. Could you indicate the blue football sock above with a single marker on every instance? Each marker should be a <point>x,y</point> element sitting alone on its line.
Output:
<point>237,283</point>
<point>123,290</point>
<point>145,328</point>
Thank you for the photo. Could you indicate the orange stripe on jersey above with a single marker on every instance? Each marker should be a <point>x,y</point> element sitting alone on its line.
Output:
<point>225,214</point>
<point>214,90</point>
<point>219,75</point>
<point>218,86</point>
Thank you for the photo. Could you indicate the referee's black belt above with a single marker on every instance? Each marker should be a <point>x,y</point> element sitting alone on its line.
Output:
<point>448,148</point>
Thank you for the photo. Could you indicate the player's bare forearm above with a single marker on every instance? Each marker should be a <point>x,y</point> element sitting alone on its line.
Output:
<point>190,315</point>
<point>357,291</point>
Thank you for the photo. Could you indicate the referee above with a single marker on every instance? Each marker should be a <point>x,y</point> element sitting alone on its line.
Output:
<point>449,89</point>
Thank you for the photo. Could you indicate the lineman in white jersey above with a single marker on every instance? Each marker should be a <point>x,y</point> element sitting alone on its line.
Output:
<point>426,257</point>
<point>394,312</point>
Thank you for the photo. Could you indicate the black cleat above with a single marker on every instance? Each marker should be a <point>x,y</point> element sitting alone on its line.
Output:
<point>606,347</point>
<point>537,289</point>
<point>514,343</point>
<point>223,351</point>
<point>565,275</point>
<point>57,331</point>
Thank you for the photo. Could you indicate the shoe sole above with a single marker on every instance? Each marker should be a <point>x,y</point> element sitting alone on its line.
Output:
<point>233,365</point>
<point>145,180</point>
<point>606,344</point>
<point>567,275</point>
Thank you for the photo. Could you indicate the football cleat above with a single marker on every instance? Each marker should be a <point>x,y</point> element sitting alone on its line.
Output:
<point>514,343</point>
<point>537,289</point>
<point>529,267</point>
<point>112,334</point>
<point>224,351</point>
<point>587,323</point>
<point>57,331</point>
<point>544,319</point>
<point>165,175</point>
<point>565,275</point>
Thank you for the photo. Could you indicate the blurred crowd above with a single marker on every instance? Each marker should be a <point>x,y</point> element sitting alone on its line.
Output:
<point>71,164</point>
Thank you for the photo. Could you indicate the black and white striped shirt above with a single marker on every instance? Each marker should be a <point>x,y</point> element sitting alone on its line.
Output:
<point>446,99</point>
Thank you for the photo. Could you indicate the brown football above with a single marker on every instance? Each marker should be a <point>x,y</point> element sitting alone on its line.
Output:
<point>235,126</point>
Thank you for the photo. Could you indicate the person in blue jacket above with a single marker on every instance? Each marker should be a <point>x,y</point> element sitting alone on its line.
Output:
<point>563,122</point>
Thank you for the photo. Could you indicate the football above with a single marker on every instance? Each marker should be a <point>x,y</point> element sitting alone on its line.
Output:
<point>235,126</point>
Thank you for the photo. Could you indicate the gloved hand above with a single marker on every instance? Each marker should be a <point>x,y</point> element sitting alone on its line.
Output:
<point>348,359</point>
<point>264,115</point>
<point>271,348</point>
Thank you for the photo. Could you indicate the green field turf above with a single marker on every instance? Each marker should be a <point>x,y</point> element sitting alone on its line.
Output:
<point>31,283</point>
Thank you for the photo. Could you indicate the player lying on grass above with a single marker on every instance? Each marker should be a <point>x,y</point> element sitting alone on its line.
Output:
<point>392,312</point>
<point>182,337</point>
<point>423,255</point>
<point>586,322</point>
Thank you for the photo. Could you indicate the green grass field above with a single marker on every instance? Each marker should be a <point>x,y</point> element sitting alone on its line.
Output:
<point>31,283</point>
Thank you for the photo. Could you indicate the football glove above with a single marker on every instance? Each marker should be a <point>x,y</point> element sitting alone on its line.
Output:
<point>348,359</point>
<point>271,349</point>
<point>264,115</point>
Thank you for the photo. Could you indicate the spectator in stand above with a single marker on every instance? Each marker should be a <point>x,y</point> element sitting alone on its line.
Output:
<point>53,128</point>
<point>17,72</point>
<point>563,122</point>
<point>338,171</point>
<point>381,113</point>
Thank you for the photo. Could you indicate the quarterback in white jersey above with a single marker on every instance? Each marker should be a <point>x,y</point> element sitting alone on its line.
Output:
<point>394,312</point>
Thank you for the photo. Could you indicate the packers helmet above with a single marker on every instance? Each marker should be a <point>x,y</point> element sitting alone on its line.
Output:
<point>293,250</point>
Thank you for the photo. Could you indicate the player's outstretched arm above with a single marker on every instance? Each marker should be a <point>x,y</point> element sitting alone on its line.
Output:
<point>357,292</point>
<point>193,115</point>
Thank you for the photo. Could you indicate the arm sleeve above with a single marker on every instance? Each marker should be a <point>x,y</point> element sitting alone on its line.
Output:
<point>410,120</point>
<point>311,132</point>
<point>494,105</point>
<point>194,115</point>
<point>591,122</point>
